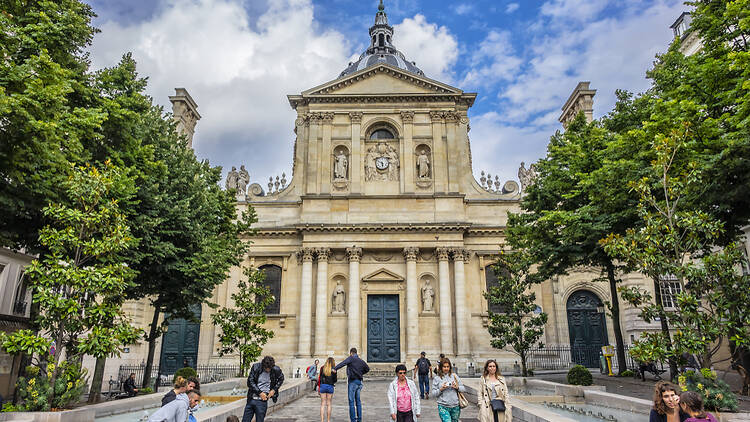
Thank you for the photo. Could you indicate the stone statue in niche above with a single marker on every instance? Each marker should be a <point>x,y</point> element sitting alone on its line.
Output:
<point>423,165</point>
<point>243,179</point>
<point>428,296</point>
<point>339,298</point>
<point>341,166</point>
<point>232,178</point>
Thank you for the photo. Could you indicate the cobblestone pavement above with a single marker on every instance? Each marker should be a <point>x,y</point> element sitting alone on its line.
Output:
<point>374,406</point>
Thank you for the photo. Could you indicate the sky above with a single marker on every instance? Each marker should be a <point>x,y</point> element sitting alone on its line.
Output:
<point>239,59</point>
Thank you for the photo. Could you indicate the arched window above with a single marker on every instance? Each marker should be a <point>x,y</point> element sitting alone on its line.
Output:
<point>492,281</point>
<point>273,282</point>
<point>19,298</point>
<point>382,134</point>
<point>380,40</point>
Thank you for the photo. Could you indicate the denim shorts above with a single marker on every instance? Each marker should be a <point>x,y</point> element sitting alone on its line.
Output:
<point>326,389</point>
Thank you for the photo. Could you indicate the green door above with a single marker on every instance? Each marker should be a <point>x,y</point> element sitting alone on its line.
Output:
<point>383,329</point>
<point>179,346</point>
<point>587,328</point>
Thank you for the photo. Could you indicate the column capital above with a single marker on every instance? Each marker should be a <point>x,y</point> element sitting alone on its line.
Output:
<point>323,253</point>
<point>326,117</point>
<point>410,253</point>
<point>407,116</point>
<point>354,254</point>
<point>306,254</point>
<point>443,253</point>
<point>460,254</point>
<point>451,117</point>
<point>436,116</point>
<point>355,116</point>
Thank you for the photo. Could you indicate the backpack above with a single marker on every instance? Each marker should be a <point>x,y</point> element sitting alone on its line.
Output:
<point>423,365</point>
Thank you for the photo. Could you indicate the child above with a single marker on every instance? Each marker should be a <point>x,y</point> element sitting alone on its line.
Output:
<point>692,404</point>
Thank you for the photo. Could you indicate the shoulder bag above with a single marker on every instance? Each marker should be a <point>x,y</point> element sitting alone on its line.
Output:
<point>462,401</point>
<point>498,405</point>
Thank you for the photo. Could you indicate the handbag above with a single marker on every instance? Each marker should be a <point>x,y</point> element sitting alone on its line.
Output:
<point>462,401</point>
<point>498,405</point>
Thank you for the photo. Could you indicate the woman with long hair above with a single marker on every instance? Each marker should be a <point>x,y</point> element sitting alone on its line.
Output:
<point>666,404</point>
<point>326,381</point>
<point>692,404</point>
<point>492,391</point>
<point>445,388</point>
<point>181,385</point>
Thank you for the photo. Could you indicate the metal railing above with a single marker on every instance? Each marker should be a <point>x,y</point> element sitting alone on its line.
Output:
<point>555,357</point>
<point>207,373</point>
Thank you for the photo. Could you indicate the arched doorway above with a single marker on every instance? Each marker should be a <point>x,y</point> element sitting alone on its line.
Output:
<point>179,347</point>
<point>587,328</point>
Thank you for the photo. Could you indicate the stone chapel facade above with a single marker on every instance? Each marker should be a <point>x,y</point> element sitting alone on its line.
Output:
<point>383,239</point>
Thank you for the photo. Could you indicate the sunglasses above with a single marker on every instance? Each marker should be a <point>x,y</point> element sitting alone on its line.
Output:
<point>401,372</point>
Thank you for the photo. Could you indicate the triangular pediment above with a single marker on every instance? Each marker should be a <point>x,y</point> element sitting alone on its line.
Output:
<point>382,79</point>
<point>383,275</point>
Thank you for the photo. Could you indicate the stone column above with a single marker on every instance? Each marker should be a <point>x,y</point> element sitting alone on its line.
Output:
<point>304,319</point>
<point>412,302</point>
<point>355,162</point>
<point>321,303</point>
<point>462,323</point>
<point>446,329</point>
<point>354,254</point>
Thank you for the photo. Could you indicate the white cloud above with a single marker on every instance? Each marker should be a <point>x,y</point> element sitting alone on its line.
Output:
<point>239,76</point>
<point>579,10</point>
<point>493,61</point>
<point>512,7</point>
<point>432,47</point>
<point>463,9</point>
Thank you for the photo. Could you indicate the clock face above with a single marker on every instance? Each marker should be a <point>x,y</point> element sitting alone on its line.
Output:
<point>381,163</point>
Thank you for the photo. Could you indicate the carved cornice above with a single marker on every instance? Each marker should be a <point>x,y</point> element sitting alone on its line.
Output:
<point>323,254</point>
<point>355,116</point>
<point>410,253</point>
<point>306,254</point>
<point>443,254</point>
<point>407,116</point>
<point>354,254</point>
<point>329,89</point>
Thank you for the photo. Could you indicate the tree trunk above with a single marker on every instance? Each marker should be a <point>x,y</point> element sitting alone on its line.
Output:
<point>665,330</point>
<point>741,363</point>
<point>524,372</point>
<point>95,392</point>
<point>151,339</point>
<point>620,345</point>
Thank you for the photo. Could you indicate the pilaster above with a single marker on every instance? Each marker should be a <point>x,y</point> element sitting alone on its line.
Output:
<point>460,256</point>
<point>354,254</point>
<point>325,175</point>
<point>313,153</point>
<point>412,302</point>
<point>355,164</point>
<point>407,152</point>
<point>446,328</point>
<point>321,303</point>
<point>440,157</point>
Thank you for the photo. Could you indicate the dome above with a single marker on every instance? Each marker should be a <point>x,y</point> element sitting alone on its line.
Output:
<point>381,50</point>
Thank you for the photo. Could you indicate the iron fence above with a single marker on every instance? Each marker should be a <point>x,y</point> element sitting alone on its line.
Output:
<point>207,373</point>
<point>554,357</point>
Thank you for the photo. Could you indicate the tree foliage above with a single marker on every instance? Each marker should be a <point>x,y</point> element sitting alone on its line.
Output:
<point>518,326</point>
<point>241,326</point>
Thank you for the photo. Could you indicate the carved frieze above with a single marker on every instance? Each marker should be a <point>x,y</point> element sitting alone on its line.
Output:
<point>382,163</point>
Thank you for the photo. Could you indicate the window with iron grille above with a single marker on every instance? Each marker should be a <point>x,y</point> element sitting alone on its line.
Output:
<point>492,281</point>
<point>669,288</point>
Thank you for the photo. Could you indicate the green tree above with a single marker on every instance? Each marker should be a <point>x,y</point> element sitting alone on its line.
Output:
<point>242,325</point>
<point>571,206</point>
<point>44,108</point>
<point>79,284</point>
<point>518,326</point>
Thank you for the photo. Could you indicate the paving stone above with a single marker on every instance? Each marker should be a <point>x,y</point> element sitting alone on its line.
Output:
<point>374,407</point>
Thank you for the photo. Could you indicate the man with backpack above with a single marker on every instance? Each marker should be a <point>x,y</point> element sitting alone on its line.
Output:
<point>422,368</point>
<point>312,374</point>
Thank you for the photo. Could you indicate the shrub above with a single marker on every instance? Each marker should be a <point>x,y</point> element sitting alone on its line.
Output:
<point>530,372</point>
<point>716,393</point>
<point>146,390</point>
<point>185,372</point>
<point>578,375</point>
<point>9,407</point>
<point>69,385</point>
<point>627,373</point>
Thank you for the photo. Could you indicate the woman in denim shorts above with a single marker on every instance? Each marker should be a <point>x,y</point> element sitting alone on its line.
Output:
<point>326,381</point>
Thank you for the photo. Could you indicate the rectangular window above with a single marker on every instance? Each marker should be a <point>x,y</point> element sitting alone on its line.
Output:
<point>669,288</point>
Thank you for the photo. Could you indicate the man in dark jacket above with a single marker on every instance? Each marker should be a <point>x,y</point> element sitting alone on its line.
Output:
<point>263,383</point>
<point>355,369</point>
<point>129,386</point>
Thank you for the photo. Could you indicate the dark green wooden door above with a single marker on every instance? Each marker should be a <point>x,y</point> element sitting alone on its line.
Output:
<point>383,329</point>
<point>179,347</point>
<point>587,328</point>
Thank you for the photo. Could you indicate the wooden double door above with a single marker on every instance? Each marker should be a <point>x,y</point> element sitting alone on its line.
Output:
<point>587,328</point>
<point>383,329</point>
<point>179,347</point>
